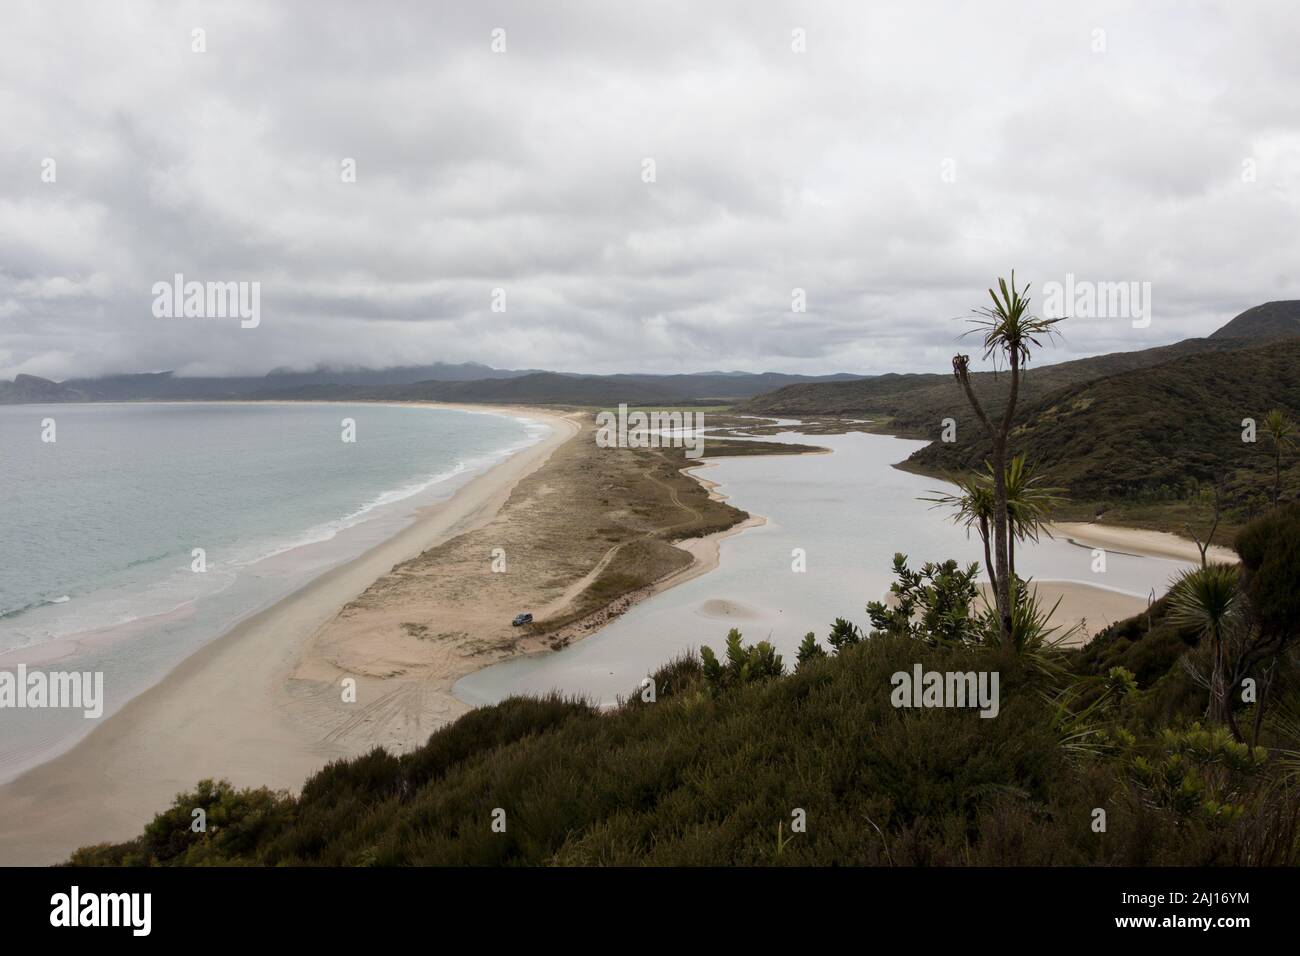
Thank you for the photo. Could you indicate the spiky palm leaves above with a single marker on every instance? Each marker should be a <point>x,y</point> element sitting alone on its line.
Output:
<point>1208,599</point>
<point>1281,432</point>
<point>972,505</point>
<point>1009,330</point>
<point>1030,502</point>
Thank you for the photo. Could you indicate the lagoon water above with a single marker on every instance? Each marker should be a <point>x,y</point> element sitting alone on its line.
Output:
<point>849,511</point>
<point>100,525</point>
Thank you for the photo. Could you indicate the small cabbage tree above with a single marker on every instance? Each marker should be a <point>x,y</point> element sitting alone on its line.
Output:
<point>1281,432</point>
<point>1207,599</point>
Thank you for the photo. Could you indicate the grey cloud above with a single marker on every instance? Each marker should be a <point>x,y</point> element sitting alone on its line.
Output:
<point>775,170</point>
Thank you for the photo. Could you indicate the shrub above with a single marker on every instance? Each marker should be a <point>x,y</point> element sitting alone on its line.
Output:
<point>744,664</point>
<point>933,604</point>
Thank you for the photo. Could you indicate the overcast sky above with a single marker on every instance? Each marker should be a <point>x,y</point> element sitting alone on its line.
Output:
<point>911,153</point>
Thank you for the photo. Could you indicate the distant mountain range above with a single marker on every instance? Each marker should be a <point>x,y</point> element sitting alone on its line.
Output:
<point>914,405</point>
<point>470,382</point>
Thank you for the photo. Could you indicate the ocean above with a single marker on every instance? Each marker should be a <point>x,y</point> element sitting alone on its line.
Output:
<point>142,531</point>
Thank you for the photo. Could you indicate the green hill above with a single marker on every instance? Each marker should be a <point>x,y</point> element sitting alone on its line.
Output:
<point>1149,433</point>
<point>1131,434</point>
<point>914,405</point>
<point>1268,322</point>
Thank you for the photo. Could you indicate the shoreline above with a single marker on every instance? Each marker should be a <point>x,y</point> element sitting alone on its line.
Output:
<point>1096,606</point>
<point>260,704</point>
<point>1155,544</point>
<point>296,557</point>
<point>222,711</point>
<point>705,551</point>
<point>1084,609</point>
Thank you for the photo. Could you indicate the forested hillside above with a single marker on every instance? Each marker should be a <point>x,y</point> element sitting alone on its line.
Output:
<point>1149,433</point>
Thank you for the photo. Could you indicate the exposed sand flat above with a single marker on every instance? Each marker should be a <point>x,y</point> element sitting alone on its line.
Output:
<point>1160,544</point>
<point>725,610</point>
<point>242,708</point>
<point>445,614</point>
<point>1091,608</point>
<point>430,621</point>
<point>1094,608</point>
<point>1084,607</point>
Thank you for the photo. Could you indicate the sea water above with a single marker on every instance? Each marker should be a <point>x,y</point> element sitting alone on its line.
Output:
<point>131,534</point>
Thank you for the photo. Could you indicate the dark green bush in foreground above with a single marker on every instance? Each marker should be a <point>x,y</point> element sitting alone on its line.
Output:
<point>705,776</point>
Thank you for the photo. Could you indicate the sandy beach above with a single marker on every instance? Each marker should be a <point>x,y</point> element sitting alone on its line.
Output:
<point>405,669</point>
<point>237,709</point>
<point>1083,609</point>
<point>1160,544</point>
<point>1088,609</point>
<point>1094,608</point>
<point>264,704</point>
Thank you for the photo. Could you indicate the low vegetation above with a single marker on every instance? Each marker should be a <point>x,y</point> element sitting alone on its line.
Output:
<point>737,760</point>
